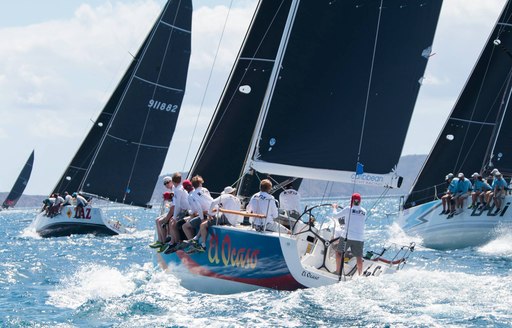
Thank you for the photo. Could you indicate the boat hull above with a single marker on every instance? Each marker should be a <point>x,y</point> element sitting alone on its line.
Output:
<point>308,274</point>
<point>235,260</point>
<point>470,227</point>
<point>71,220</point>
<point>239,259</point>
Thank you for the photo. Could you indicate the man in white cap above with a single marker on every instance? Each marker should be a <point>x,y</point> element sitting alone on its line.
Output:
<point>450,191</point>
<point>353,219</point>
<point>289,200</point>
<point>227,200</point>
<point>480,186</point>
<point>162,221</point>
<point>462,192</point>
<point>499,191</point>
<point>491,193</point>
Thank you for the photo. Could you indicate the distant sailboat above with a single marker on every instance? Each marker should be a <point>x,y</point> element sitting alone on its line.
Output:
<point>20,184</point>
<point>475,138</point>
<point>315,78</point>
<point>124,152</point>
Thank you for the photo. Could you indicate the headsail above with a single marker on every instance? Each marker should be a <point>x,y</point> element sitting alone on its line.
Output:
<point>20,184</point>
<point>476,137</point>
<point>339,85</point>
<point>238,109</point>
<point>124,152</point>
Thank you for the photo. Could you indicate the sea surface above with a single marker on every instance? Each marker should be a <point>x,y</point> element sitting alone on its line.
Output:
<point>88,281</point>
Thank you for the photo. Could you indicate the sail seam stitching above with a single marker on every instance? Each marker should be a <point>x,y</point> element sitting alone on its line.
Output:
<point>175,27</point>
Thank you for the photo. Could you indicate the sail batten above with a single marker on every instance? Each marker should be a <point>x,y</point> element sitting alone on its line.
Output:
<point>156,84</point>
<point>257,59</point>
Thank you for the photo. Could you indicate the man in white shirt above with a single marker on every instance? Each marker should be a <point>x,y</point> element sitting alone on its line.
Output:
<point>181,205</point>
<point>264,203</point>
<point>162,221</point>
<point>289,200</point>
<point>199,201</point>
<point>352,235</point>
<point>176,225</point>
<point>68,199</point>
<point>227,200</point>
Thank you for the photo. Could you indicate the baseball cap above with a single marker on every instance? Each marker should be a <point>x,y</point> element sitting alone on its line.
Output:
<point>167,180</point>
<point>187,184</point>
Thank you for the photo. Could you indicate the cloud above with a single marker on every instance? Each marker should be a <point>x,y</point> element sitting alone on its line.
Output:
<point>56,75</point>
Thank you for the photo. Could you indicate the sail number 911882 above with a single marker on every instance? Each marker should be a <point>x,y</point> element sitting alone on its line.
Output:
<point>154,104</point>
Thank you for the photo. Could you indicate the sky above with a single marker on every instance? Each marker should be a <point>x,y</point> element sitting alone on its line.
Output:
<point>60,60</point>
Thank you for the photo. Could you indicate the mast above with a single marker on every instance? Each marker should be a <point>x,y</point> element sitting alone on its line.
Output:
<point>270,89</point>
<point>225,146</point>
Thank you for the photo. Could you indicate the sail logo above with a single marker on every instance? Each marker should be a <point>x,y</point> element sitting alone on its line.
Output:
<point>159,105</point>
<point>82,213</point>
<point>230,256</point>
<point>367,179</point>
<point>489,211</point>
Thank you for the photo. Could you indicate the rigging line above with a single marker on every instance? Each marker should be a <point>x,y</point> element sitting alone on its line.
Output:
<point>506,19</point>
<point>462,150</point>
<point>369,81</point>
<point>362,128</point>
<point>148,113</point>
<point>365,111</point>
<point>207,85</point>
<point>502,118</point>
<point>494,135</point>
<point>477,134</point>
<point>241,79</point>
<point>382,195</point>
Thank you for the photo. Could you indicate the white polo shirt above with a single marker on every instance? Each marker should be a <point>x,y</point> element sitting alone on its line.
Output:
<point>355,218</point>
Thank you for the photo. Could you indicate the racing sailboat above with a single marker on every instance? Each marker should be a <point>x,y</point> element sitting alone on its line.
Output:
<point>475,138</point>
<point>316,78</point>
<point>20,184</point>
<point>124,152</point>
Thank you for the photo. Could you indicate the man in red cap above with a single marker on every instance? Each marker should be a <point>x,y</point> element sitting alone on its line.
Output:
<point>352,218</point>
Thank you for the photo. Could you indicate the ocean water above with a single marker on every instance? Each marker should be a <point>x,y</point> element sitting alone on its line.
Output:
<point>87,281</point>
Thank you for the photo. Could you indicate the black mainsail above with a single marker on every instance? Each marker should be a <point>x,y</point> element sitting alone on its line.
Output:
<point>123,154</point>
<point>344,88</point>
<point>20,184</point>
<point>235,118</point>
<point>476,137</point>
<point>319,61</point>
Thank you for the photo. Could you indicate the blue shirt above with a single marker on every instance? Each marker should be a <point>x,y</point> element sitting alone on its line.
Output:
<point>480,185</point>
<point>453,185</point>
<point>498,184</point>
<point>463,186</point>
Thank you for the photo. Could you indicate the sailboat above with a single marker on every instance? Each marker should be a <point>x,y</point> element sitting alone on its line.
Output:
<point>123,154</point>
<point>20,184</point>
<point>475,138</point>
<point>312,76</point>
